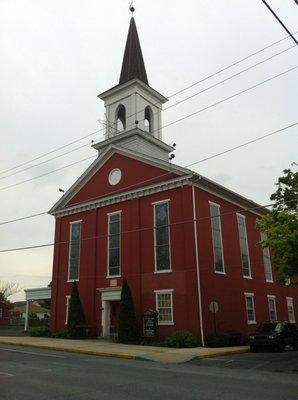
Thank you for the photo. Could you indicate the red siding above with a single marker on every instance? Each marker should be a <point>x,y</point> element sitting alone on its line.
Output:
<point>134,175</point>
<point>137,257</point>
<point>228,290</point>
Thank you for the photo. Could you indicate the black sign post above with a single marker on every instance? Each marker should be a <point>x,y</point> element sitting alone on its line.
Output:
<point>150,324</point>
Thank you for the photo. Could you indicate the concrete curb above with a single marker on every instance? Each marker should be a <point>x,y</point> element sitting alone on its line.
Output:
<point>226,353</point>
<point>144,358</point>
<point>126,356</point>
<point>68,350</point>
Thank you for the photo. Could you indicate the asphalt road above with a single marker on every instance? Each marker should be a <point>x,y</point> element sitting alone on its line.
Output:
<point>27,373</point>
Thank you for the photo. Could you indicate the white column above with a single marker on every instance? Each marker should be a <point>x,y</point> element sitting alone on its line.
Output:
<point>105,318</point>
<point>27,315</point>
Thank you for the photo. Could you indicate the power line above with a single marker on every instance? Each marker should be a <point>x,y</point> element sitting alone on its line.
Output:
<point>232,96</point>
<point>230,65</point>
<point>109,124</point>
<point>279,20</point>
<point>244,144</point>
<point>170,172</point>
<point>172,95</point>
<point>43,162</point>
<point>198,219</point>
<point>47,173</point>
<point>169,124</point>
<point>50,152</point>
<point>22,218</point>
<point>230,77</point>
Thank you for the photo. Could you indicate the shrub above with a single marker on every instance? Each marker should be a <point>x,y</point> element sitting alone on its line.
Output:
<point>42,331</point>
<point>226,339</point>
<point>181,339</point>
<point>76,317</point>
<point>128,331</point>
<point>60,335</point>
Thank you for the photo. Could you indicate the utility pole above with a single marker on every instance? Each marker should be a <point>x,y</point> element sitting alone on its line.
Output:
<point>281,23</point>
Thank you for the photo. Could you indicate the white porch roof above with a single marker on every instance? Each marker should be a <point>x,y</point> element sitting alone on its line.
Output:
<point>38,293</point>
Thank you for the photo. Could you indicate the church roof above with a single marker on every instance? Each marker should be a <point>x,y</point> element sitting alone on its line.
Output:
<point>133,64</point>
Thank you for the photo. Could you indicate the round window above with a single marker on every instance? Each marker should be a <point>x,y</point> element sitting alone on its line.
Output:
<point>115,176</point>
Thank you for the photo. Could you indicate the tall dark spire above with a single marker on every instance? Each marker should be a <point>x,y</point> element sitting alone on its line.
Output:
<point>133,64</point>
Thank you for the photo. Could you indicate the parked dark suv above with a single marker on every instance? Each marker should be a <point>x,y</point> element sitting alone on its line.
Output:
<point>275,334</point>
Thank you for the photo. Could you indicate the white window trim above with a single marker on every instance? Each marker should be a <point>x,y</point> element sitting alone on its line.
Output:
<point>291,299</point>
<point>154,228</point>
<point>272,297</point>
<point>251,295</point>
<point>246,237</point>
<point>161,201</point>
<point>114,212</point>
<point>69,243</point>
<point>165,291</point>
<point>108,245</point>
<point>221,242</point>
<point>66,309</point>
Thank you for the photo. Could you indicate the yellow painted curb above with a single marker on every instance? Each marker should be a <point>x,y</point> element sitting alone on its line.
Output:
<point>68,350</point>
<point>226,353</point>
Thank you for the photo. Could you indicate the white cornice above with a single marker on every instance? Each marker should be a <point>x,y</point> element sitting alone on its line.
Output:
<point>133,132</point>
<point>126,85</point>
<point>124,196</point>
<point>104,157</point>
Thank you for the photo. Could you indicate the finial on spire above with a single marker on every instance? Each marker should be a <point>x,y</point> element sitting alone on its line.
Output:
<point>131,8</point>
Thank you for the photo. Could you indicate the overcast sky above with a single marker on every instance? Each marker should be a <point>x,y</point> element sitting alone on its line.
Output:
<point>56,56</point>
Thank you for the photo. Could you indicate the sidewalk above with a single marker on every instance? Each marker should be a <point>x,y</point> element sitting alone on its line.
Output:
<point>105,348</point>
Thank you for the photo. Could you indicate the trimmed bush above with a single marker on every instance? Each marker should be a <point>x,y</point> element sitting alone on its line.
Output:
<point>181,339</point>
<point>128,331</point>
<point>60,335</point>
<point>76,321</point>
<point>41,331</point>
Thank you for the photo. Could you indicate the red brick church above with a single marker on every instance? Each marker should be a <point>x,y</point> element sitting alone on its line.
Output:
<point>181,240</point>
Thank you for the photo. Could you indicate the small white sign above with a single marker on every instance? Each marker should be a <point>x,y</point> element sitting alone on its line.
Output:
<point>113,282</point>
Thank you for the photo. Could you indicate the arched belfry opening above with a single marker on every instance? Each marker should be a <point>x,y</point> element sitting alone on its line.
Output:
<point>120,118</point>
<point>148,120</point>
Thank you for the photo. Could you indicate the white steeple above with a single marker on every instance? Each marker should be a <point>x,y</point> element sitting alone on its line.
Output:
<point>132,107</point>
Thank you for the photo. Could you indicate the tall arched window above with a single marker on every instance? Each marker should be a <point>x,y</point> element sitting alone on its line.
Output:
<point>148,120</point>
<point>120,118</point>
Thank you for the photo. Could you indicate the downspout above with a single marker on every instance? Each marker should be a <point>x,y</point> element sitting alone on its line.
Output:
<point>197,265</point>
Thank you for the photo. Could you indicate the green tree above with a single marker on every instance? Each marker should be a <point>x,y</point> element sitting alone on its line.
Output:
<point>280,226</point>
<point>76,317</point>
<point>128,331</point>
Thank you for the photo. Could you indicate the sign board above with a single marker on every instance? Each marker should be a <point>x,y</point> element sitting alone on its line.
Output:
<point>113,282</point>
<point>150,323</point>
<point>214,307</point>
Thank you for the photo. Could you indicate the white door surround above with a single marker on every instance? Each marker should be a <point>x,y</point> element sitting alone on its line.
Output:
<point>108,294</point>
